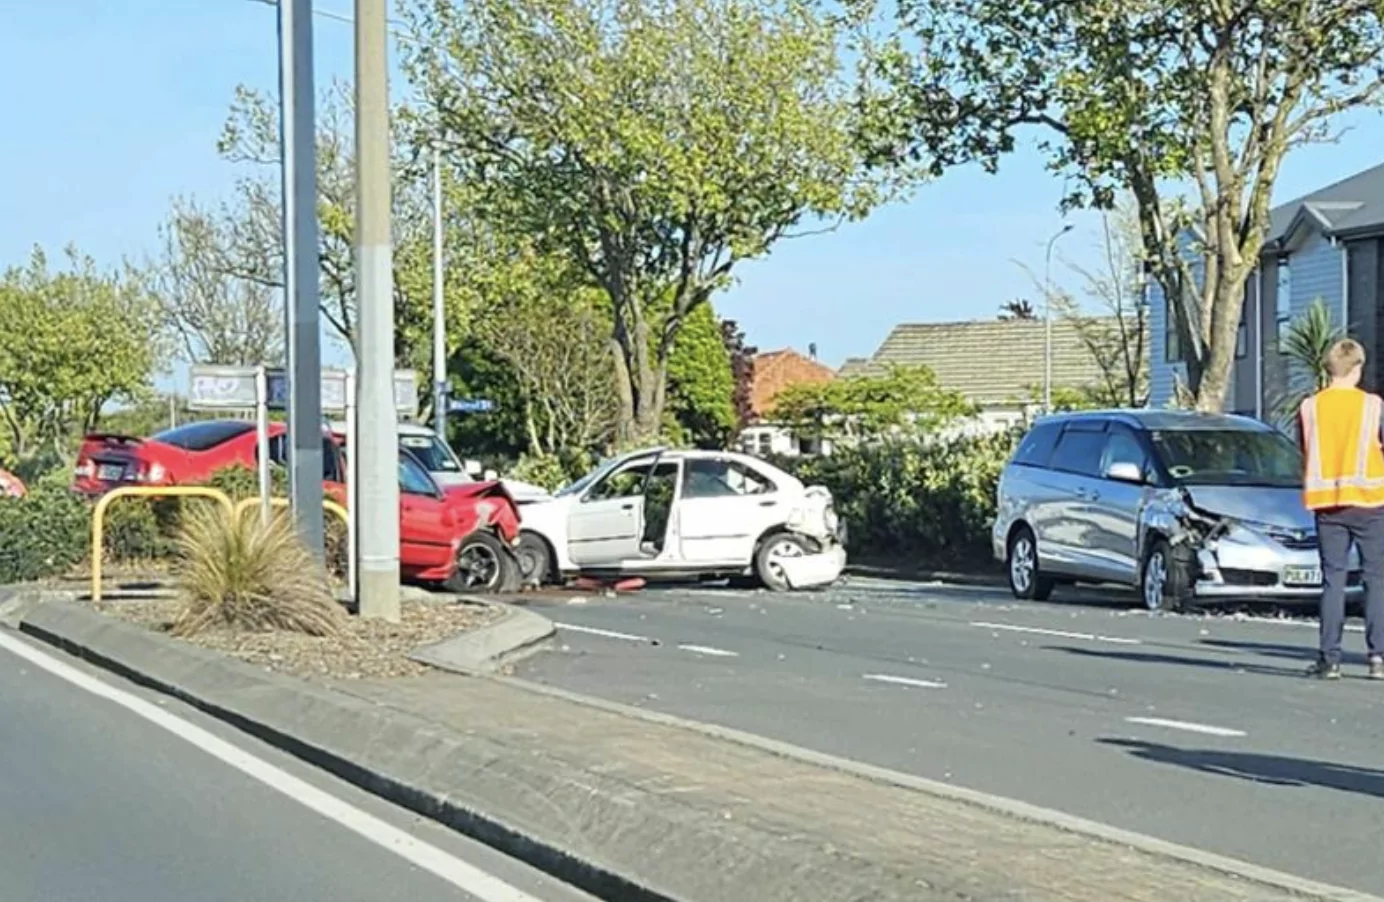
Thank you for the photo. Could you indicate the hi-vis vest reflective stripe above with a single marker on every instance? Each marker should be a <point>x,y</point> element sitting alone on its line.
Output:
<point>1345,465</point>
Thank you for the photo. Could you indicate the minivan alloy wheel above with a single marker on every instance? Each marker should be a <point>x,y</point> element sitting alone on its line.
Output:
<point>1021,564</point>
<point>1155,580</point>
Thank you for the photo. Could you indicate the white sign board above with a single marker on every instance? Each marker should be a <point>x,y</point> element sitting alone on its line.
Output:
<point>233,388</point>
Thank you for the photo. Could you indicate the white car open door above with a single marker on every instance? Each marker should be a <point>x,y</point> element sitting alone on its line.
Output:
<point>605,525</point>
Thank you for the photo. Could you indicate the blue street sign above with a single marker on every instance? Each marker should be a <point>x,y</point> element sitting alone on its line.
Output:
<point>470,405</point>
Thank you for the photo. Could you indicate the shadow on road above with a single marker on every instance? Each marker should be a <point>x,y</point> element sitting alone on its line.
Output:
<point>1145,657</point>
<point>1272,770</point>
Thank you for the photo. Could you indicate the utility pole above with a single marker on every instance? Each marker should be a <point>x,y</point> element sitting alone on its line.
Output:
<point>439,309</point>
<point>298,136</point>
<point>377,429</point>
<point>1047,319</point>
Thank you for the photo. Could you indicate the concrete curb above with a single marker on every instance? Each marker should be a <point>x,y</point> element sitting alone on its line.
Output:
<point>515,635</point>
<point>1309,889</point>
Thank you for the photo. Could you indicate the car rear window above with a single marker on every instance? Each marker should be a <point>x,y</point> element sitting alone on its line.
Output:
<point>1036,448</point>
<point>201,436</point>
<point>1079,451</point>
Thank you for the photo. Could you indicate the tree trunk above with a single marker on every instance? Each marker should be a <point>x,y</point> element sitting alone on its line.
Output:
<point>1228,300</point>
<point>641,383</point>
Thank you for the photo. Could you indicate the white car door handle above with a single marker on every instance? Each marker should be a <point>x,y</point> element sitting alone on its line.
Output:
<point>627,507</point>
<point>768,503</point>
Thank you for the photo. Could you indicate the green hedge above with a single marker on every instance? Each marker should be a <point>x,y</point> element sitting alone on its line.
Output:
<point>43,534</point>
<point>912,504</point>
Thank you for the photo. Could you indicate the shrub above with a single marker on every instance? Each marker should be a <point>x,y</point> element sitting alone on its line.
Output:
<point>544,470</point>
<point>250,574</point>
<point>139,529</point>
<point>43,534</point>
<point>929,503</point>
<point>239,481</point>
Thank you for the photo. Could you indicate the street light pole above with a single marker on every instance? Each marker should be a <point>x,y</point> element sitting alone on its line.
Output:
<point>1047,319</point>
<point>298,138</point>
<point>378,430</point>
<point>439,309</point>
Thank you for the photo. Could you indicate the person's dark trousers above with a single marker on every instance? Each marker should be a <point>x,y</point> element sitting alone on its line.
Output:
<point>1337,530</point>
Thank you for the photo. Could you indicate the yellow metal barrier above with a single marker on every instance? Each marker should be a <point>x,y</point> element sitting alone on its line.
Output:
<point>98,516</point>
<point>328,504</point>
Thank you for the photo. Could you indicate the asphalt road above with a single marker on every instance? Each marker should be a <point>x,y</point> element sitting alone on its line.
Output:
<point>1195,729</point>
<point>97,802</point>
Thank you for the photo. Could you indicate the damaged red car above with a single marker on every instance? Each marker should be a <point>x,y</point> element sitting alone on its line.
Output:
<point>461,535</point>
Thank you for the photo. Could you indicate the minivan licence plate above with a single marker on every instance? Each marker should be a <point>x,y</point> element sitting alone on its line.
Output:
<point>1302,576</point>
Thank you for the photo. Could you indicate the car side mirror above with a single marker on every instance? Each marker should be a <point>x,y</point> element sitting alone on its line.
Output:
<point>1123,471</point>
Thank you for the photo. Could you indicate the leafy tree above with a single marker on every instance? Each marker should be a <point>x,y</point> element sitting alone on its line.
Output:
<point>75,341</point>
<point>1153,98</point>
<point>656,144</point>
<point>903,400</point>
<point>212,315</point>
<point>741,370</point>
<point>554,341</point>
<point>250,139</point>
<point>701,386</point>
<point>1019,308</point>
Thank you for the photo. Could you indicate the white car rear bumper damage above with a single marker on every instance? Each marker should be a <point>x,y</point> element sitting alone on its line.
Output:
<point>819,569</point>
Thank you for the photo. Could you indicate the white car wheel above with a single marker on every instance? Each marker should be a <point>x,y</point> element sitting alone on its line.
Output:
<point>769,560</point>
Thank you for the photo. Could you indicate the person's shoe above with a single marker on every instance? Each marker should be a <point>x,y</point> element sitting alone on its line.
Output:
<point>1377,668</point>
<point>1324,670</point>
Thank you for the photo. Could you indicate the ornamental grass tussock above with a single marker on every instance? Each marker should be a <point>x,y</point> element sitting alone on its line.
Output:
<point>250,574</point>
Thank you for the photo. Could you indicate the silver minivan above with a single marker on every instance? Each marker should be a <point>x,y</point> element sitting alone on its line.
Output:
<point>1177,504</point>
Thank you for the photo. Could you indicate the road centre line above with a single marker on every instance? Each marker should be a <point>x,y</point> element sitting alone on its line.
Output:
<point>903,681</point>
<point>464,876</point>
<point>1061,634</point>
<point>1205,729</point>
<point>708,650</point>
<point>609,634</point>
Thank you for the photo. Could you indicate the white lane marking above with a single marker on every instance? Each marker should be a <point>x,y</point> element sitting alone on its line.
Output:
<point>465,877</point>
<point>903,681</point>
<point>708,650</point>
<point>1062,634</point>
<point>1206,729</point>
<point>609,634</point>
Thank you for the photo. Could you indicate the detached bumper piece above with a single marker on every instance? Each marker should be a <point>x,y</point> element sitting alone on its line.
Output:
<point>819,569</point>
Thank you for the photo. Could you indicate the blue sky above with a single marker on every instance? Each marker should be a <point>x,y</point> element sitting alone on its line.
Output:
<point>113,108</point>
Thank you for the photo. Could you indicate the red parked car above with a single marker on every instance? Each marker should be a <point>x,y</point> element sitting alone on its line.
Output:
<point>460,536</point>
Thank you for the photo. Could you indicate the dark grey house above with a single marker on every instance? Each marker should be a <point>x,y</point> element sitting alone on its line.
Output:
<point>1328,245</point>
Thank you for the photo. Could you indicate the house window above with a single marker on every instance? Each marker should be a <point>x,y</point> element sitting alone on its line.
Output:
<point>766,443</point>
<point>1172,342</point>
<point>1283,303</point>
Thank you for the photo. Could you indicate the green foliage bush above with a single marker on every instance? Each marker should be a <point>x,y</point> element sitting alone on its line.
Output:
<point>545,470</point>
<point>927,504</point>
<point>43,534</point>
<point>139,529</point>
<point>239,481</point>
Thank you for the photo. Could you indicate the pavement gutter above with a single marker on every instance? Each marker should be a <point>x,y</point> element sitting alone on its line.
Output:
<point>469,782</point>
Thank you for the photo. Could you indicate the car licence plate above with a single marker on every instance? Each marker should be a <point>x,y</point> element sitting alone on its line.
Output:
<point>1302,576</point>
<point>110,472</point>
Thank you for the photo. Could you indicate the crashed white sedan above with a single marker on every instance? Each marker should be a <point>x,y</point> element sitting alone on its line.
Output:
<point>661,512</point>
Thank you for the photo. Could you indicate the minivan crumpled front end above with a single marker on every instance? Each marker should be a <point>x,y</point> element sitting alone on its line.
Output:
<point>1248,542</point>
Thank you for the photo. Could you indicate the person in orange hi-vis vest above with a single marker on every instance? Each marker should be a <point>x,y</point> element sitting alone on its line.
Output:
<point>1343,484</point>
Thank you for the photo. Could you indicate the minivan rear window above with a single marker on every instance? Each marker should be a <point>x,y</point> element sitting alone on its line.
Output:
<point>1036,448</point>
<point>1079,451</point>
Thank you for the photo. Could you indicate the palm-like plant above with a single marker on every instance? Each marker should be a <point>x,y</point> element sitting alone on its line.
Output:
<point>1305,345</point>
<point>251,574</point>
